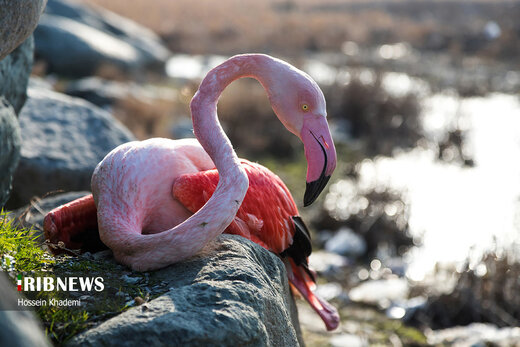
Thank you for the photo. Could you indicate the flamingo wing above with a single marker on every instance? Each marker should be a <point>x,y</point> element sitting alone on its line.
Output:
<point>267,216</point>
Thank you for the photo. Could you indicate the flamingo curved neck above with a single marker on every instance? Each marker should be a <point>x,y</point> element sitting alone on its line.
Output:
<point>223,205</point>
<point>189,237</point>
<point>206,125</point>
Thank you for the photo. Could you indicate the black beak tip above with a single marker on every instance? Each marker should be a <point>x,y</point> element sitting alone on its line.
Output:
<point>314,189</point>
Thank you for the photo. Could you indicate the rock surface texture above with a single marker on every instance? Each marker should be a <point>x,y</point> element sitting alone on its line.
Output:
<point>14,74</point>
<point>10,142</point>
<point>63,139</point>
<point>92,38</point>
<point>17,21</point>
<point>235,293</point>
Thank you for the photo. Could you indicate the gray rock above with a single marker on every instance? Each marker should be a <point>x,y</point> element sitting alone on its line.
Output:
<point>75,39</point>
<point>106,254</point>
<point>10,142</point>
<point>100,92</point>
<point>14,74</point>
<point>104,93</point>
<point>234,294</point>
<point>75,49</point>
<point>63,139</point>
<point>17,21</point>
<point>130,280</point>
<point>18,328</point>
<point>145,40</point>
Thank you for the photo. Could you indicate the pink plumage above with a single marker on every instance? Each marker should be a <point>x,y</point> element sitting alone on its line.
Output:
<point>147,227</point>
<point>268,216</point>
<point>265,214</point>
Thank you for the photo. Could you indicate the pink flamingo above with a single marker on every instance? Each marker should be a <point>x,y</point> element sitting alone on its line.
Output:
<point>158,201</point>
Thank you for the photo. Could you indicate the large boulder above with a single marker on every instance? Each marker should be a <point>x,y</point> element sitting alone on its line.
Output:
<point>105,93</point>
<point>140,37</point>
<point>63,139</point>
<point>14,74</point>
<point>76,40</point>
<point>75,49</point>
<point>15,69</point>
<point>10,142</point>
<point>100,92</point>
<point>235,293</point>
<point>17,21</point>
<point>18,327</point>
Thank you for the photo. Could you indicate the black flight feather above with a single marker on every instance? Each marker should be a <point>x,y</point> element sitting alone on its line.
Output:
<point>301,247</point>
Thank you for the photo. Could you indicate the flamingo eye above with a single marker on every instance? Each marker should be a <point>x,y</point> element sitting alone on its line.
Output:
<point>305,107</point>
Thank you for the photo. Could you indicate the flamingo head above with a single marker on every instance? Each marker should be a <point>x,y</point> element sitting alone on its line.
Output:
<point>300,105</point>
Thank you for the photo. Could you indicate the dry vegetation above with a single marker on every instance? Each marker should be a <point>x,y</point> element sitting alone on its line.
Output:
<point>381,120</point>
<point>233,26</point>
<point>291,27</point>
<point>485,293</point>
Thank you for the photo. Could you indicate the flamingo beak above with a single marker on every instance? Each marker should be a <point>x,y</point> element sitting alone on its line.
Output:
<point>321,156</point>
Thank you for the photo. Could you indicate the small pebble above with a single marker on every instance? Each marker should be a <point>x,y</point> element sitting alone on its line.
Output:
<point>130,280</point>
<point>103,254</point>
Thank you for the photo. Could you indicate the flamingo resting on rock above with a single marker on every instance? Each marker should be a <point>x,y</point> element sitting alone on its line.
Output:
<point>159,201</point>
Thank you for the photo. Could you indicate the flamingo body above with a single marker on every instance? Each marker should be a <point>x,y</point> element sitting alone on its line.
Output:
<point>149,215</point>
<point>268,216</point>
<point>265,214</point>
